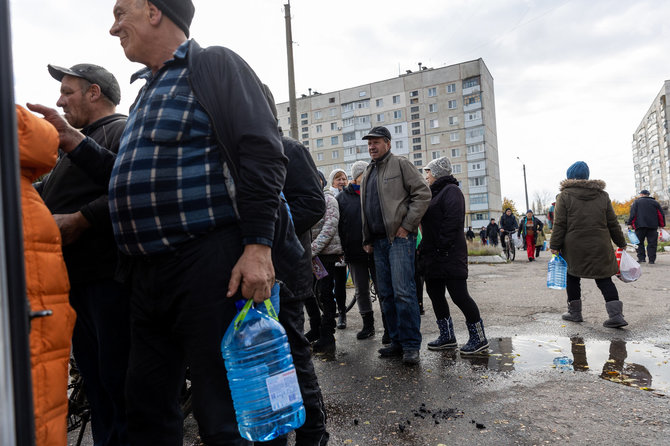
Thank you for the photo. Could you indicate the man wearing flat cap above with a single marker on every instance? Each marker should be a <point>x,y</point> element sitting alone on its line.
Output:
<point>89,95</point>
<point>394,197</point>
<point>646,216</point>
<point>194,198</point>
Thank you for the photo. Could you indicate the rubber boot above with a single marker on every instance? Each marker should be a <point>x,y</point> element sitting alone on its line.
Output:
<point>342,320</point>
<point>368,326</point>
<point>447,338</point>
<point>614,310</point>
<point>477,341</point>
<point>574,313</point>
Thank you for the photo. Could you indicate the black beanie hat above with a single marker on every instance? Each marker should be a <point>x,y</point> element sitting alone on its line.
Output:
<point>179,11</point>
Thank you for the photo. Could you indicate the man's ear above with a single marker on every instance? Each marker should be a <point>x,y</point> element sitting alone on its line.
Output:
<point>155,14</point>
<point>95,92</point>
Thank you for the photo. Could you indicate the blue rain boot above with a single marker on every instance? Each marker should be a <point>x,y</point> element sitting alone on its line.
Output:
<point>447,338</point>
<point>477,341</point>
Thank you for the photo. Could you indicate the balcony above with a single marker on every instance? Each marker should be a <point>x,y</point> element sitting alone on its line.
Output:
<point>479,207</point>
<point>477,190</point>
<point>471,107</point>
<point>473,122</point>
<point>471,90</point>
<point>473,139</point>
<point>476,156</point>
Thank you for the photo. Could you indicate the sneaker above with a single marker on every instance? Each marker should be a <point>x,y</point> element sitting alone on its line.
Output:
<point>410,357</point>
<point>393,350</point>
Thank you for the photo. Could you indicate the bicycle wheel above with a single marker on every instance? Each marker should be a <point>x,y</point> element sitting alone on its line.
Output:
<point>351,303</point>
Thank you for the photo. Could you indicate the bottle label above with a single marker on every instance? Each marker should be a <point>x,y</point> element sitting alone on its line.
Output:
<point>283,389</point>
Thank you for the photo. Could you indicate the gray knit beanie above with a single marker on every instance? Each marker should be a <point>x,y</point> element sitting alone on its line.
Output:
<point>357,169</point>
<point>440,167</point>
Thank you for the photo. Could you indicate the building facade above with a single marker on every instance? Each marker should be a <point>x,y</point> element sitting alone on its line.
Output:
<point>430,113</point>
<point>651,157</point>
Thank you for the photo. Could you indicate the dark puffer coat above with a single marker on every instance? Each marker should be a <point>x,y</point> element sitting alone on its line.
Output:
<point>584,227</point>
<point>443,250</point>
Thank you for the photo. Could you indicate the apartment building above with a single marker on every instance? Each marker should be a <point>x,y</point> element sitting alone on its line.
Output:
<point>651,157</point>
<point>432,112</point>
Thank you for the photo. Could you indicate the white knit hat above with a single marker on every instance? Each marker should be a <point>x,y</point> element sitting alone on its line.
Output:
<point>357,169</point>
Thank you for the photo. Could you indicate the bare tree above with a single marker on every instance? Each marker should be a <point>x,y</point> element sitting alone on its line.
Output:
<point>542,200</point>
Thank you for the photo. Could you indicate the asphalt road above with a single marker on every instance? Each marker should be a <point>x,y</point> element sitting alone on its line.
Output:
<point>618,392</point>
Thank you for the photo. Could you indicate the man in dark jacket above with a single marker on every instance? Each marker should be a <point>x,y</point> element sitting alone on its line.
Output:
<point>100,342</point>
<point>193,235</point>
<point>508,225</point>
<point>492,231</point>
<point>646,216</point>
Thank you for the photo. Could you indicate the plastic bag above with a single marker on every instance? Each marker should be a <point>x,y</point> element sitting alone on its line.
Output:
<point>629,269</point>
<point>663,235</point>
<point>517,240</point>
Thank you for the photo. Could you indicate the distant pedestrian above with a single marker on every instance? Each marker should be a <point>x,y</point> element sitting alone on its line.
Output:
<point>539,242</point>
<point>470,235</point>
<point>492,231</point>
<point>394,198</point>
<point>444,254</point>
<point>550,215</point>
<point>646,216</point>
<point>482,235</point>
<point>529,226</point>
<point>584,227</point>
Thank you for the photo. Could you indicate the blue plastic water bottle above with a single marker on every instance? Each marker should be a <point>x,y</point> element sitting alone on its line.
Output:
<point>262,378</point>
<point>632,237</point>
<point>563,363</point>
<point>557,273</point>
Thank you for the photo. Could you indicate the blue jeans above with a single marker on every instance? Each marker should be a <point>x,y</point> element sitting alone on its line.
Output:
<point>394,263</point>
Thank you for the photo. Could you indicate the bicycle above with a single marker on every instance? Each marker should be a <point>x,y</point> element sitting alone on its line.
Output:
<point>510,249</point>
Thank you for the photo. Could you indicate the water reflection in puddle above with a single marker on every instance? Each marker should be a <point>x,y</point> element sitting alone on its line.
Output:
<point>635,364</point>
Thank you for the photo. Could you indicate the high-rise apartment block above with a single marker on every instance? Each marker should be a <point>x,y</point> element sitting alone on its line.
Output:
<point>430,113</point>
<point>651,157</point>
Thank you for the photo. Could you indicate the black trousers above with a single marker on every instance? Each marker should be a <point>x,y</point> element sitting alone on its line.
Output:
<point>326,296</point>
<point>179,314</point>
<point>606,286</point>
<point>458,290</point>
<point>651,235</point>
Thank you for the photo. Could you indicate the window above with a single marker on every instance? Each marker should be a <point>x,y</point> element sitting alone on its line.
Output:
<point>333,112</point>
<point>472,99</point>
<point>478,199</point>
<point>396,99</point>
<point>363,119</point>
<point>453,136</point>
<point>319,128</point>
<point>482,216</point>
<point>432,92</point>
<point>451,88</point>
<point>305,143</point>
<point>350,151</point>
<point>397,114</point>
<point>416,132</point>
<point>473,116</point>
<point>319,156</point>
<point>432,108</point>
<point>435,139</point>
<point>433,123</point>
<point>333,125</point>
<point>303,122</point>
<point>414,109</point>
<point>303,116</point>
<point>331,101</point>
<point>477,181</point>
<point>361,94</point>
<point>379,102</point>
<point>475,148</point>
<point>334,140</point>
<point>397,129</point>
<point>305,129</point>
<point>380,117</point>
<point>416,140</point>
<point>398,145</point>
<point>416,124</point>
<point>317,114</point>
<point>363,104</point>
<point>435,155</point>
<point>453,120</point>
<point>471,82</point>
<point>418,163</point>
<point>456,168</point>
<point>475,133</point>
<point>334,154</point>
<point>347,107</point>
<point>413,94</point>
<point>415,116</point>
<point>455,153</point>
<point>348,122</point>
<point>305,135</point>
<point>417,156</point>
<point>349,137</point>
<point>416,147</point>
<point>414,101</point>
<point>319,142</point>
<point>476,166</point>
<point>452,104</point>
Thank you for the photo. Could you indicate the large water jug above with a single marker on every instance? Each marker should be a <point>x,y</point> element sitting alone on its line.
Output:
<point>557,273</point>
<point>262,378</point>
<point>632,237</point>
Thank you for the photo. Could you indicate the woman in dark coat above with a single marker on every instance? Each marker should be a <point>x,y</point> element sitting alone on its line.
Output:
<point>444,254</point>
<point>584,227</point>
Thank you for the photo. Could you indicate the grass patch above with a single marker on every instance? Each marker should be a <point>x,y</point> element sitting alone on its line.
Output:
<point>477,249</point>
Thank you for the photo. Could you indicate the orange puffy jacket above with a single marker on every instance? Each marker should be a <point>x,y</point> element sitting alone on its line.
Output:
<point>47,283</point>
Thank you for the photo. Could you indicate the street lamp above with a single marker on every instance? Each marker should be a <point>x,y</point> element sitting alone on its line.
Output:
<point>525,185</point>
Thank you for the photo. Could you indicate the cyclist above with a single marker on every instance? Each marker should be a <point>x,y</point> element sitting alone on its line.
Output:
<point>508,225</point>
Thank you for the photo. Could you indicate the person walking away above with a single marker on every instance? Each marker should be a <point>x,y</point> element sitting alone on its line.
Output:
<point>101,338</point>
<point>47,284</point>
<point>207,238</point>
<point>646,216</point>
<point>327,247</point>
<point>539,242</point>
<point>360,263</point>
<point>492,232</point>
<point>508,225</point>
<point>529,226</point>
<point>445,256</point>
<point>338,181</point>
<point>469,235</point>
<point>394,197</point>
<point>550,215</point>
<point>584,227</point>
<point>482,235</point>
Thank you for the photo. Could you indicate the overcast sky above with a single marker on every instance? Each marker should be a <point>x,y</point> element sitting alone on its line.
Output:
<point>573,79</point>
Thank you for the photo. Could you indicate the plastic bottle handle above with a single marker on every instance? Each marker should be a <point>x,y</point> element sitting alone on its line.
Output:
<point>240,317</point>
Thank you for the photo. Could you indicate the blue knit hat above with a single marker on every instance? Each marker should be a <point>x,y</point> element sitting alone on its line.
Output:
<point>578,171</point>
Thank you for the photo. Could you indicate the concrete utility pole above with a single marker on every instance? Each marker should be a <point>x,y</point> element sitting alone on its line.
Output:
<point>291,76</point>
<point>525,185</point>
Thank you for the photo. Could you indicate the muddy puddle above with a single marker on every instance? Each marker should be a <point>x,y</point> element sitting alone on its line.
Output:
<point>636,364</point>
